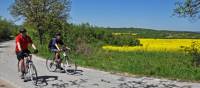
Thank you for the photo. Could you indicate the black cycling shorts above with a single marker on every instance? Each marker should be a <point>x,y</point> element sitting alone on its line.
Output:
<point>21,55</point>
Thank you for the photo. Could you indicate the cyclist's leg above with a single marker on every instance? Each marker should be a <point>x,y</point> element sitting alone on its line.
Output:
<point>58,57</point>
<point>22,65</point>
<point>18,67</point>
<point>58,60</point>
<point>56,54</point>
<point>21,61</point>
<point>20,57</point>
<point>18,60</point>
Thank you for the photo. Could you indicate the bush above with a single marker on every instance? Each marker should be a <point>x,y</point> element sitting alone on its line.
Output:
<point>7,29</point>
<point>82,47</point>
<point>83,38</point>
<point>194,51</point>
<point>5,34</point>
<point>123,40</point>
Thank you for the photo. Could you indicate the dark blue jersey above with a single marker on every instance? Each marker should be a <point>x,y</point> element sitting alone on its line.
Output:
<point>55,41</point>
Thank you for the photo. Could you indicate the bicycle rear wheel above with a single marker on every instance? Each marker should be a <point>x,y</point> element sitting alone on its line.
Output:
<point>33,73</point>
<point>51,64</point>
<point>69,65</point>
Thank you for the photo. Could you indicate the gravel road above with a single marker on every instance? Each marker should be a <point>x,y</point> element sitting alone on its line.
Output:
<point>85,77</point>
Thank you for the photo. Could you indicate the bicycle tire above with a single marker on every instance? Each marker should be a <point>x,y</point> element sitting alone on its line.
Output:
<point>69,65</point>
<point>50,64</point>
<point>34,72</point>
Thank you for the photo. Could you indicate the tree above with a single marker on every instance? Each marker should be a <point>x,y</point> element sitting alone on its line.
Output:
<point>7,29</point>
<point>188,8</point>
<point>42,14</point>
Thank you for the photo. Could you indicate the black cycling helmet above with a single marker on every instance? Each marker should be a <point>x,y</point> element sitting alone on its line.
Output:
<point>58,34</point>
<point>22,30</point>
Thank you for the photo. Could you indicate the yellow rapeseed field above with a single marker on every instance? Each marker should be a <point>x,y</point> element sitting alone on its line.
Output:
<point>155,45</point>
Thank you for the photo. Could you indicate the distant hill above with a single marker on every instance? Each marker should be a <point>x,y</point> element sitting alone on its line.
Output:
<point>150,33</point>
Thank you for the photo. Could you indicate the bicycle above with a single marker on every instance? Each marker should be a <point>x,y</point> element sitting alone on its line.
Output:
<point>30,69</point>
<point>68,64</point>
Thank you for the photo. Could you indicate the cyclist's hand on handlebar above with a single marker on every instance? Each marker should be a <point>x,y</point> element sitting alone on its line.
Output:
<point>68,48</point>
<point>59,50</point>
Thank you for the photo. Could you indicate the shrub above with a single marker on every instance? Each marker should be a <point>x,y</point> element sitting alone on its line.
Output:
<point>82,38</point>
<point>194,51</point>
<point>123,40</point>
<point>7,29</point>
<point>82,47</point>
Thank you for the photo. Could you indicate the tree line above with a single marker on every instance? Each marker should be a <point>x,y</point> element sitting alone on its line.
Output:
<point>7,29</point>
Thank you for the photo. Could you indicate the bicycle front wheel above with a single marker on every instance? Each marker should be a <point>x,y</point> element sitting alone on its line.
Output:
<point>69,65</point>
<point>33,73</point>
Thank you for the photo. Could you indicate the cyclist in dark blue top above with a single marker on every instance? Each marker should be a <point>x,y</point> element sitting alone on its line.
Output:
<point>55,42</point>
<point>54,46</point>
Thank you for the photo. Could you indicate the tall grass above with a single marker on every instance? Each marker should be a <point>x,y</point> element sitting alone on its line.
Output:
<point>160,64</point>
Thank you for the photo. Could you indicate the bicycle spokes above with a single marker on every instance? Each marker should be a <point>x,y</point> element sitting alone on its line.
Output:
<point>70,66</point>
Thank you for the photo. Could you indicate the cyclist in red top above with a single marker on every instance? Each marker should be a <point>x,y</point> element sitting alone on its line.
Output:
<point>22,42</point>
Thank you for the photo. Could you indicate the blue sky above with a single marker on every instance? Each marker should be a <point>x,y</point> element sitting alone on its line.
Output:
<point>155,14</point>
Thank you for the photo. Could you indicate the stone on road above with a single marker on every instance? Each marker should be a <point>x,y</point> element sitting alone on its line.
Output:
<point>84,78</point>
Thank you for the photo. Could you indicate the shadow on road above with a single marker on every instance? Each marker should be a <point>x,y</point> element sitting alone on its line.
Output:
<point>43,80</point>
<point>76,73</point>
<point>3,46</point>
<point>73,83</point>
<point>71,72</point>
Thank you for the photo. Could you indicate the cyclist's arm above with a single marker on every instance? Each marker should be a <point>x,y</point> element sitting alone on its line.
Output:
<point>67,48</point>
<point>19,46</point>
<point>63,45</point>
<point>31,42</point>
<point>33,46</point>
<point>57,47</point>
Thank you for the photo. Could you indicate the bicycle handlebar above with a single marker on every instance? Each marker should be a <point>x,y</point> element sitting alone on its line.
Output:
<point>65,49</point>
<point>28,54</point>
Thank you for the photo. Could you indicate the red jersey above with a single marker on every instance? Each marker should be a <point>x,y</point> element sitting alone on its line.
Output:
<point>23,41</point>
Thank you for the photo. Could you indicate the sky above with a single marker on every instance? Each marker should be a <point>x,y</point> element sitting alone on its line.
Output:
<point>153,14</point>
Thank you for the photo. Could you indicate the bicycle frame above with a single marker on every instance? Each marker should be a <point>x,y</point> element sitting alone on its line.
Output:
<point>30,68</point>
<point>65,62</point>
<point>27,61</point>
<point>64,56</point>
